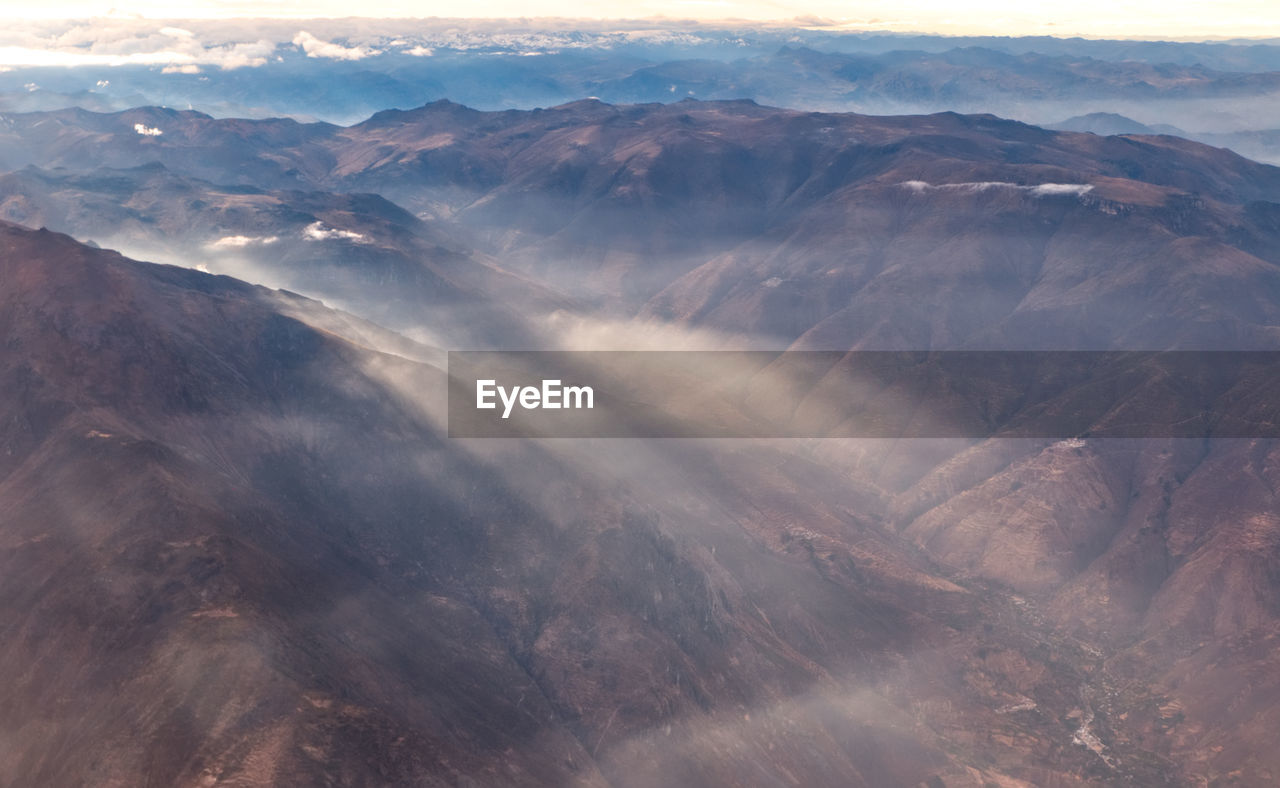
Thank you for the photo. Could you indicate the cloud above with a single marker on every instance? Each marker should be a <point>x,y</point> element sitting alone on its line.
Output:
<point>238,43</point>
<point>228,57</point>
<point>117,42</point>
<point>1045,189</point>
<point>241,241</point>
<point>314,47</point>
<point>316,231</point>
<point>186,68</point>
<point>147,131</point>
<point>1038,190</point>
<point>239,55</point>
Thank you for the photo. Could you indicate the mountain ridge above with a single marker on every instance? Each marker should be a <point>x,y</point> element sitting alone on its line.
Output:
<point>409,607</point>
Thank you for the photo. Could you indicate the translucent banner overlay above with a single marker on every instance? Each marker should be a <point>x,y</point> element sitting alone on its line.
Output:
<point>864,394</point>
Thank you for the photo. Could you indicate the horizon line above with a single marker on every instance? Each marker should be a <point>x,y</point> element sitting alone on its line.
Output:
<point>802,22</point>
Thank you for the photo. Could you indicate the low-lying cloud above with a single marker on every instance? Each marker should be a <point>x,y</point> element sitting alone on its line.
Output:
<point>314,47</point>
<point>1037,190</point>
<point>239,43</point>
<point>242,241</point>
<point>316,231</point>
<point>119,42</point>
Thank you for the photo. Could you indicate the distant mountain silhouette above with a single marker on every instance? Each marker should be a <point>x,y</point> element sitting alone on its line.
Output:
<point>1108,123</point>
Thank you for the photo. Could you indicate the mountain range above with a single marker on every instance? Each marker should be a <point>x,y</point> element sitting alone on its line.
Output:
<point>237,546</point>
<point>749,221</point>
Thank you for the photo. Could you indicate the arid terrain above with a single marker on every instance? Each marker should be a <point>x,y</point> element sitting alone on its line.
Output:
<point>237,547</point>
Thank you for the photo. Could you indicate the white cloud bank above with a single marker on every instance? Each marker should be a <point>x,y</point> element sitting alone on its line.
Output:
<point>231,43</point>
<point>316,231</point>
<point>147,131</point>
<point>1038,190</point>
<point>314,47</point>
<point>129,42</point>
<point>1061,188</point>
<point>241,241</point>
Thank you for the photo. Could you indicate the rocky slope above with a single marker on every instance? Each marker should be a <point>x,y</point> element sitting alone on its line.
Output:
<point>780,220</point>
<point>250,529</point>
<point>237,550</point>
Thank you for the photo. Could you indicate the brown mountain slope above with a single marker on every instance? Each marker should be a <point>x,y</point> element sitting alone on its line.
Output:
<point>357,251</point>
<point>901,264</point>
<point>616,203</point>
<point>178,611</point>
<point>880,613</point>
<point>236,550</point>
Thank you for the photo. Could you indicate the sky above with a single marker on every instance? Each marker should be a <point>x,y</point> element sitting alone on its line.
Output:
<point>1178,19</point>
